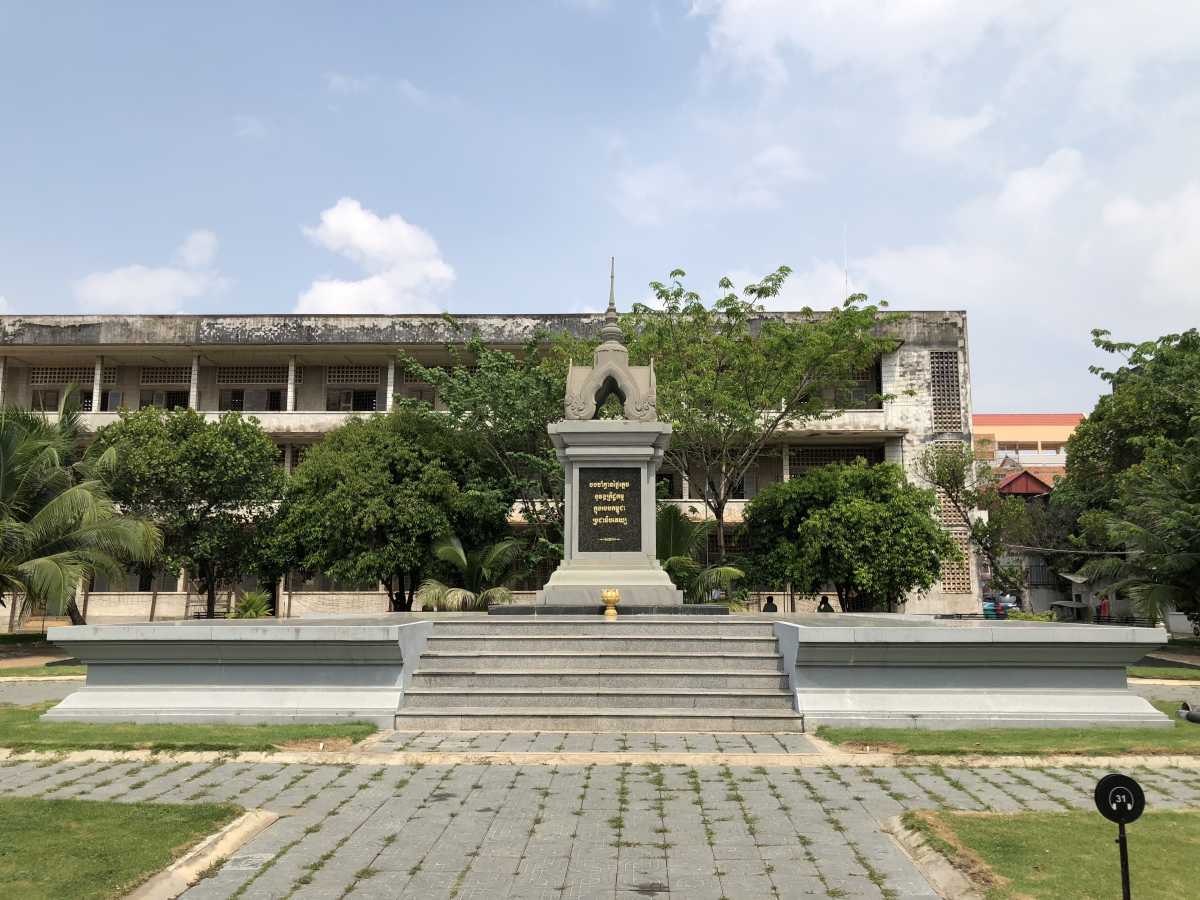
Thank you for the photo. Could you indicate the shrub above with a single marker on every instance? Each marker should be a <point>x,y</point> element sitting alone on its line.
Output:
<point>252,605</point>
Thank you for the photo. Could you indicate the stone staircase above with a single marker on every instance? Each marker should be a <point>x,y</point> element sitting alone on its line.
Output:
<point>580,673</point>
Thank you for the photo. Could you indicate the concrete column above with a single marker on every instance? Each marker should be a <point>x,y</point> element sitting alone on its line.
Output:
<point>194,384</point>
<point>97,377</point>
<point>287,459</point>
<point>291,392</point>
<point>181,582</point>
<point>787,462</point>
<point>391,385</point>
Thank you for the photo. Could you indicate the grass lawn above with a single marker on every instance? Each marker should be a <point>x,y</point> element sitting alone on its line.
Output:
<point>1178,673</point>
<point>21,730</point>
<point>90,850</point>
<point>1067,854</point>
<point>1182,738</point>
<point>40,671</point>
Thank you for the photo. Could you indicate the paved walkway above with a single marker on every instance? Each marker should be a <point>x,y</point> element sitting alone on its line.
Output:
<point>570,832</point>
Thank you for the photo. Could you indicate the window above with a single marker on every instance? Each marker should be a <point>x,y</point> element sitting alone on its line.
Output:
<point>165,399</point>
<point>257,375</point>
<point>299,451</point>
<point>864,390</point>
<point>352,375</point>
<point>1053,446</point>
<point>46,399</point>
<point>351,400</point>
<point>802,458</point>
<point>246,400</point>
<point>110,401</point>
<point>945,390</point>
<point>152,375</point>
<point>64,375</point>
<point>666,482</point>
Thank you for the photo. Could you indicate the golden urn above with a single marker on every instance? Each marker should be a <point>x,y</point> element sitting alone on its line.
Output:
<point>611,597</point>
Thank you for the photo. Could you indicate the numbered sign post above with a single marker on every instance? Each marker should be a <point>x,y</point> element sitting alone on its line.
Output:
<point>1120,799</point>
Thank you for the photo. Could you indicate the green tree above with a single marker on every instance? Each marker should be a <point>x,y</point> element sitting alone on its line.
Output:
<point>210,487</point>
<point>681,545</point>
<point>369,502</point>
<point>58,522</point>
<point>1154,395</point>
<point>485,575</point>
<point>730,377</point>
<point>1156,523</point>
<point>993,522</point>
<point>864,529</point>
<point>501,403</point>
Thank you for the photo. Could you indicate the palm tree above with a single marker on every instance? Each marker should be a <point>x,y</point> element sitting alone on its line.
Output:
<point>680,547</point>
<point>1158,524</point>
<point>484,574</point>
<point>58,524</point>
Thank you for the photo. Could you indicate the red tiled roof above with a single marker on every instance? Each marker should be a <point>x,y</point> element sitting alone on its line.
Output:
<point>1023,482</point>
<point>1027,418</point>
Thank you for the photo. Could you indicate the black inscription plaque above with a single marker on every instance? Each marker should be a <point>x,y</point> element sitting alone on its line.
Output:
<point>610,510</point>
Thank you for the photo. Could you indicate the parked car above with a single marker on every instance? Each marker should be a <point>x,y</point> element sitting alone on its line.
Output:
<point>999,607</point>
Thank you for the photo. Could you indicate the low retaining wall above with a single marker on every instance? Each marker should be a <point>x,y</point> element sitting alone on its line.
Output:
<point>967,675</point>
<point>240,671</point>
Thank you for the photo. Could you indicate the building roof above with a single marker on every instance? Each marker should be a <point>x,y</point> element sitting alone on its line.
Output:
<point>1024,483</point>
<point>1026,419</point>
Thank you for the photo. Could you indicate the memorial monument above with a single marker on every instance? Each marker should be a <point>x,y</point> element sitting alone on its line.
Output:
<point>610,468</point>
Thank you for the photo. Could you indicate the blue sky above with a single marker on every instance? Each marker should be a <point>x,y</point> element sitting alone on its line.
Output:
<point>1035,163</point>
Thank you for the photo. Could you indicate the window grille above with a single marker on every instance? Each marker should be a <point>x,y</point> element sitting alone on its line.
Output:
<point>409,378</point>
<point>802,458</point>
<point>166,375</point>
<point>257,374</point>
<point>947,394</point>
<point>57,375</point>
<point>352,375</point>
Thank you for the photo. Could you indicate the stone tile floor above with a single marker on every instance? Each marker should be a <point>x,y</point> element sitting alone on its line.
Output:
<point>585,742</point>
<point>574,832</point>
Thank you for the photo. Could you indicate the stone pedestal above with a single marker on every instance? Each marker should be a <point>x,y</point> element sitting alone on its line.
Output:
<point>609,525</point>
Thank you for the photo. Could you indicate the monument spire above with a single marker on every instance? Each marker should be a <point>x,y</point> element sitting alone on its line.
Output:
<point>611,331</point>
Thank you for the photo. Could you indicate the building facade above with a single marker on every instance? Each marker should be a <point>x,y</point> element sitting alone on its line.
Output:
<point>301,376</point>
<point>1031,442</point>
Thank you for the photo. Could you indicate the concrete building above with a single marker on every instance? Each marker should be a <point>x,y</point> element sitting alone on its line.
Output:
<point>1033,442</point>
<point>302,376</point>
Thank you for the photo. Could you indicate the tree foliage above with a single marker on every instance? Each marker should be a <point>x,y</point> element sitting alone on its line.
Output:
<point>682,545</point>
<point>1154,396</point>
<point>1156,525</point>
<point>210,487</point>
<point>58,522</point>
<point>501,402</point>
<point>993,521</point>
<point>729,377</point>
<point>864,529</point>
<point>369,502</point>
<point>484,573</point>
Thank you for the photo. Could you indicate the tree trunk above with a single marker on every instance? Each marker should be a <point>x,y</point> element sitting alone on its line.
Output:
<point>391,594</point>
<point>210,587</point>
<point>413,577</point>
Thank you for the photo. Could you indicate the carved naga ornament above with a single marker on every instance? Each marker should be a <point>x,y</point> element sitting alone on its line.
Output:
<point>588,387</point>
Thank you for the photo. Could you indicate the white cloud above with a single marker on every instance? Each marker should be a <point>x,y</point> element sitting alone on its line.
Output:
<point>199,249</point>
<point>404,268</point>
<point>1106,42</point>
<point>942,137</point>
<point>1034,190</point>
<point>250,128</point>
<point>342,83</point>
<point>657,193</point>
<point>141,289</point>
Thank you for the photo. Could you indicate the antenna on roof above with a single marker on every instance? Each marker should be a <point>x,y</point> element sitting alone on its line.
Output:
<point>845,265</point>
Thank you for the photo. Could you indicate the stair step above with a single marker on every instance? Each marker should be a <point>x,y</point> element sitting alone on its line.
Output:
<point>600,678</point>
<point>675,627</point>
<point>603,642</point>
<point>631,719</point>
<point>606,699</point>
<point>526,660</point>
